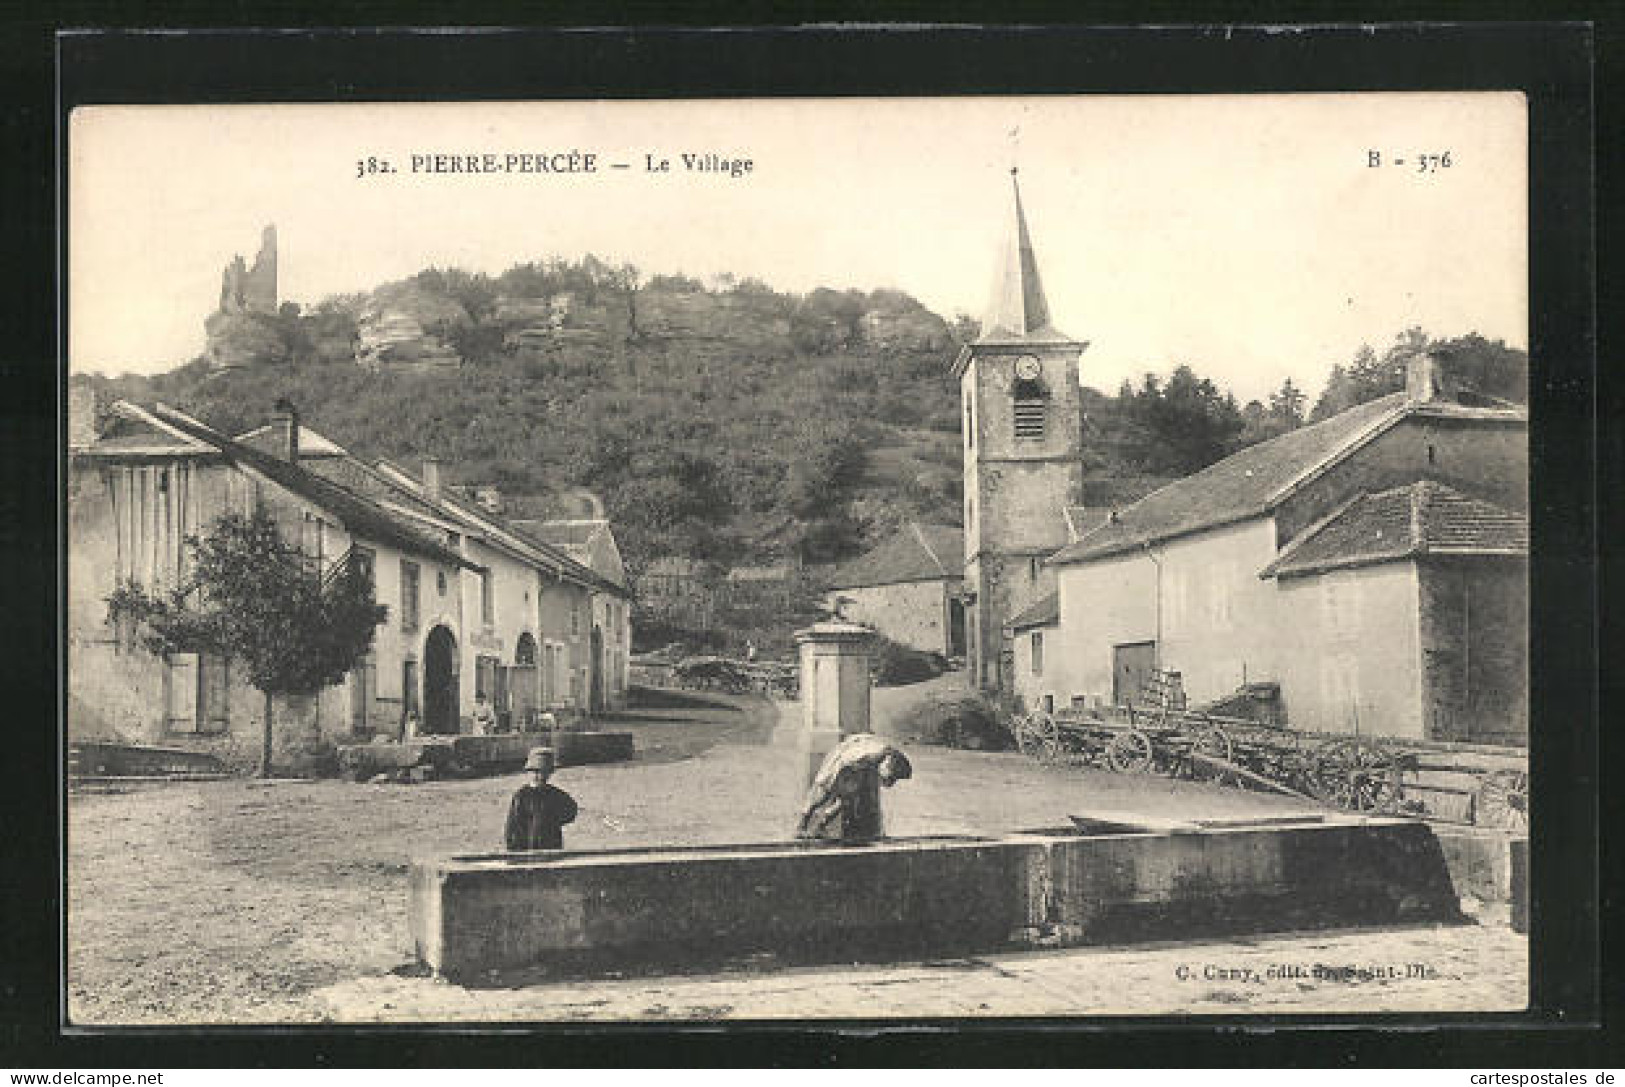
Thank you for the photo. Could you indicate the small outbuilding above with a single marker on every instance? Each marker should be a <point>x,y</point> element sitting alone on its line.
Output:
<point>909,588</point>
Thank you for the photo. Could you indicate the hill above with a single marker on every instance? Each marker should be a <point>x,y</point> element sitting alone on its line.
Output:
<point>727,423</point>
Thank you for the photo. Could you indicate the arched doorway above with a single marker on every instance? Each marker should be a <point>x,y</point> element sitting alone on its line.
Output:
<point>523,691</point>
<point>440,682</point>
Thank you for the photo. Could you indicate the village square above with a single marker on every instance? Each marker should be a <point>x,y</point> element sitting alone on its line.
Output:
<point>1240,734</point>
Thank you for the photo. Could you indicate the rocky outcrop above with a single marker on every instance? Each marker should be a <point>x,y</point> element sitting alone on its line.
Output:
<point>915,329</point>
<point>537,325</point>
<point>404,325</point>
<point>244,339</point>
<point>420,323</point>
<point>737,318</point>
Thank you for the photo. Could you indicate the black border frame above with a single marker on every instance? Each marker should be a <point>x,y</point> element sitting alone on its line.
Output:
<point>1551,63</point>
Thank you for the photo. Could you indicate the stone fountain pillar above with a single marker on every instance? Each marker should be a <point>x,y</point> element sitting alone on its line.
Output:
<point>834,689</point>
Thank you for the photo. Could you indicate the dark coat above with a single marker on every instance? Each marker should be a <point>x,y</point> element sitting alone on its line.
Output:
<point>843,803</point>
<point>537,816</point>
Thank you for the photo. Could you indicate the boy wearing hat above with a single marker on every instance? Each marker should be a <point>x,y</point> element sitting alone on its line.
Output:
<point>539,811</point>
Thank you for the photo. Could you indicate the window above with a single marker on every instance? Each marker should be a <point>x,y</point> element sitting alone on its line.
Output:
<point>366,561</point>
<point>410,579</point>
<point>575,616</point>
<point>970,424</point>
<point>1038,652</point>
<point>1030,411</point>
<point>314,541</point>
<point>214,693</point>
<point>1032,567</point>
<point>488,602</point>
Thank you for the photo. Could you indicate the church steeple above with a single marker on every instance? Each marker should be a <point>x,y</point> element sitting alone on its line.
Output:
<point>1023,412</point>
<point>1018,313</point>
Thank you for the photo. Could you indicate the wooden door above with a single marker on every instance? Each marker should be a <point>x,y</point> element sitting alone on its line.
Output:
<point>183,692</point>
<point>361,691</point>
<point>1132,665</point>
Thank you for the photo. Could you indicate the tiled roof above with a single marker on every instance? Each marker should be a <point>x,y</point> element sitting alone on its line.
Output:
<point>1044,612</point>
<point>357,514</point>
<point>1255,480</point>
<point>474,520</point>
<point>1017,312</point>
<point>1082,520</point>
<point>140,445</point>
<point>1425,518</point>
<point>673,566</point>
<point>916,552</point>
<point>778,571</point>
<point>268,439</point>
<point>573,536</point>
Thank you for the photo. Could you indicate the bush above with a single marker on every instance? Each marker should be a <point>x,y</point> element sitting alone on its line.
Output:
<point>896,665</point>
<point>953,720</point>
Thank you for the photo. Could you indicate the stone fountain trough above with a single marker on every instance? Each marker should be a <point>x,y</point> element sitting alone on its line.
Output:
<point>1105,878</point>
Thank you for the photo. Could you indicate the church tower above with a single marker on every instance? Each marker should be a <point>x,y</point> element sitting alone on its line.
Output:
<point>1021,414</point>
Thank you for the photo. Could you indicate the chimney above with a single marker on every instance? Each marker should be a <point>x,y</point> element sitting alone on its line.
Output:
<point>285,418</point>
<point>490,499</point>
<point>1426,378</point>
<point>81,415</point>
<point>431,476</point>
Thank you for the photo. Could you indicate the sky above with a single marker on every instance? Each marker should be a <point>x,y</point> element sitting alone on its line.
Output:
<point>1248,236</point>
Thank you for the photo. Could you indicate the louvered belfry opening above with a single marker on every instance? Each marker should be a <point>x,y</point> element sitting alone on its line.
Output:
<point>1031,408</point>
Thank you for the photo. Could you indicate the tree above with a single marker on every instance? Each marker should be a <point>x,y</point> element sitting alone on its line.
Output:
<point>1488,367</point>
<point>250,596</point>
<point>965,328</point>
<point>1286,406</point>
<point>626,278</point>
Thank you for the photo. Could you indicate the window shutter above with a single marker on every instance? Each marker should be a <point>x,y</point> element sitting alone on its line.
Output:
<point>1029,418</point>
<point>183,692</point>
<point>215,688</point>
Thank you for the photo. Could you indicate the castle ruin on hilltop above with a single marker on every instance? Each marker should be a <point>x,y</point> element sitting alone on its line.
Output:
<point>242,330</point>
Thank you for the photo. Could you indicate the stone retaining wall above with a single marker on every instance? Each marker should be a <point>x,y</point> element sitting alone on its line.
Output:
<point>503,751</point>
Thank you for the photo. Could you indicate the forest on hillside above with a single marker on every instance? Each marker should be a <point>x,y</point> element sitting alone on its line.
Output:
<point>726,422</point>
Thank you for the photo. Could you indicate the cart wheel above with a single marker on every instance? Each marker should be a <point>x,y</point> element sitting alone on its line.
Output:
<point>1021,731</point>
<point>1036,736</point>
<point>1215,743</point>
<point>1047,735</point>
<point>1129,752</point>
<point>1502,800</point>
<point>1322,771</point>
<point>1362,777</point>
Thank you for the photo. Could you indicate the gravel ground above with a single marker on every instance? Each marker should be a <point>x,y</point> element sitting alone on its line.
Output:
<point>245,901</point>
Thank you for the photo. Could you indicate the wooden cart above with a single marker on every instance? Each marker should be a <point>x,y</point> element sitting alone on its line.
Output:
<point>1464,783</point>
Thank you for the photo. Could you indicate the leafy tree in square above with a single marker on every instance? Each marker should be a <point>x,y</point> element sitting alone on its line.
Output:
<point>250,596</point>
